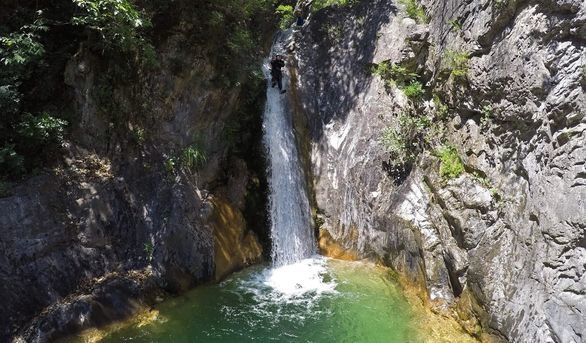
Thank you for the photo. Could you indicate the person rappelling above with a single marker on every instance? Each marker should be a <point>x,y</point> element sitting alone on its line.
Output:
<point>301,12</point>
<point>277,63</point>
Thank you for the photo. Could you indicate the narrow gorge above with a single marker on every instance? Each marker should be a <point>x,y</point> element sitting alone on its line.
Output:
<point>422,179</point>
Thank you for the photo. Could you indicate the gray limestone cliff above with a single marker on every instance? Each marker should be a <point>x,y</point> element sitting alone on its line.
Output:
<point>504,87</point>
<point>125,218</point>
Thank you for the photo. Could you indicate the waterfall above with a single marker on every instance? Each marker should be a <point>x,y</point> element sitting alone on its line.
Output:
<point>291,232</point>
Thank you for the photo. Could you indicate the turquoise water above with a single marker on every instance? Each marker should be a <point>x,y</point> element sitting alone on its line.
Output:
<point>315,300</point>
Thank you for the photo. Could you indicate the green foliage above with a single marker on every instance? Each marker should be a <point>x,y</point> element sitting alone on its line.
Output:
<point>441,109</point>
<point>414,90</point>
<point>455,24</point>
<point>451,165</point>
<point>333,31</point>
<point>404,142</point>
<point>396,73</point>
<point>20,48</point>
<point>457,63</point>
<point>285,12</point>
<point>170,163</point>
<point>405,79</point>
<point>138,135</point>
<point>116,22</point>
<point>317,5</point>
<point>501,4</point>
<point>193,157</point>
<point>42,129</point>
<point>240,41</point>
<point>415,11</point>
<point>149,249</point>
<point>487,113</point>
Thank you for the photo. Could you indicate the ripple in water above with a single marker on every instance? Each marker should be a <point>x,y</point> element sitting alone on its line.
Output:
<point>313,300</point>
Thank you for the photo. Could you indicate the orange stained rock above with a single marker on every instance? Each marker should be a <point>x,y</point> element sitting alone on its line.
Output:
<point>329,247</point>
<point>235,246</point>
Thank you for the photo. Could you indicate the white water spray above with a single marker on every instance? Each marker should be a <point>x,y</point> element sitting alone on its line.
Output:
<point>291,231</point>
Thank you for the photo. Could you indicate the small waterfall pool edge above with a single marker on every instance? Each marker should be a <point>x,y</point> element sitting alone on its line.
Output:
<point>314,300</point>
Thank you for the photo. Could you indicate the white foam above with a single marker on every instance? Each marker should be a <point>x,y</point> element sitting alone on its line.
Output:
<point>300,278</point>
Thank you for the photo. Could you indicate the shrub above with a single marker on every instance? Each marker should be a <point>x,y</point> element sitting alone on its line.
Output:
<point>415,11</point>
<point>404,142</point>
<point>170,165</point>
<point>149,249</point>
<point>457,63</point>
<point>320,4</point>
<point>399,75</point>
<point>42,129</point>
<point>451,165</point>
<point>441,109</point>
<point>285,12</point>
<point>116,22</point>
<point>193,157</point>
<point>414,90</point>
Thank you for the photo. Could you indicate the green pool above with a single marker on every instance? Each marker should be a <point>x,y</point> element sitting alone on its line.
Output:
<point>315,300</point>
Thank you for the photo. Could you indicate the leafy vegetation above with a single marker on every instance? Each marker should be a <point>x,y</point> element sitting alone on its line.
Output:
<point>455,24</point>
<point>487,113</point>
<point>457,63</point>
<point>317,5</point>
<point>441,109</point>
<point>404,142</point>
<point>116,23</point>
<point>193,157</point>
<point>415,11</point>
<point>35,46</point>
<point>403,78</point>
<point>414,90</point>
<point>285,12</point>
<point>149,249</point>
<point>451,165</point>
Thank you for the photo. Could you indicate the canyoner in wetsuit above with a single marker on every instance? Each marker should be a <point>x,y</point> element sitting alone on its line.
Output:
<point>276,73</point>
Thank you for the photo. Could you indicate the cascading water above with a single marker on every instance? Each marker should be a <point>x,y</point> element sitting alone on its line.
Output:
<point>288,203</point>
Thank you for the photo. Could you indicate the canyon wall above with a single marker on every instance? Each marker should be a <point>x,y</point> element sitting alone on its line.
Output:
<point>499,244</point>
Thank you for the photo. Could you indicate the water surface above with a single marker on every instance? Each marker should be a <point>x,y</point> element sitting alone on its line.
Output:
<point>314,300</point>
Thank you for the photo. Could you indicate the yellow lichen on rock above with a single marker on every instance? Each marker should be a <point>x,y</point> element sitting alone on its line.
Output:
<point>235,246</point>
<point>329,247</point>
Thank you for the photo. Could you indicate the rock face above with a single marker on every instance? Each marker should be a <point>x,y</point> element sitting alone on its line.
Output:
<point>508,234</point>
<point>119,222</point>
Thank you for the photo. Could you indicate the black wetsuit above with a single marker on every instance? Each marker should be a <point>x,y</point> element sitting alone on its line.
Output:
<point>276,73</point>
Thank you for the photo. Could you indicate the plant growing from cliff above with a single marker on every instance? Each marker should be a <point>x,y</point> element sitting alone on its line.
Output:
<point>441,109</point>
<point>451,165</point>
<point>457,63</point>
<point>406,140</point>
<point>415,11</point>
<point>193,157</point>
<point>170,165</point>
<point>149,249</point>
<point>414,90</point>
<point>487,113</point>
<point>399,75</point>
<point>455,24</point>
<point>117,24</point>
<point>317,5</point>
<point>285,12</point>
<point>138,135</point>
<point>41,129</point>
